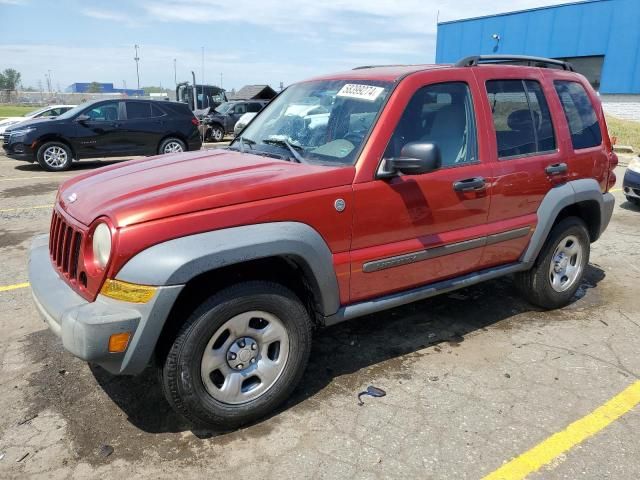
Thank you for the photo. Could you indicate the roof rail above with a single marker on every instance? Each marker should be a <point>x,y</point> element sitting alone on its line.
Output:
<point>476,60</point>
<point>363,67</point>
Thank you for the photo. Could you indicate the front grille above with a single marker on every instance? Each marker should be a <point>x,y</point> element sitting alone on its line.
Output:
<point>64,246</point>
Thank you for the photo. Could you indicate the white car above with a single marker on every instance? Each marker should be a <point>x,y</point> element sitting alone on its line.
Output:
<point>51,111</point>
<point>242,122</point>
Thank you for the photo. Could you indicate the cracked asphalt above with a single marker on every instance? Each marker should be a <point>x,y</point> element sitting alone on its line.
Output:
<point>473,379</point>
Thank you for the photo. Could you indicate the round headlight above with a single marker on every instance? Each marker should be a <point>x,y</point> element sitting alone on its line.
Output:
<point>102,244</point>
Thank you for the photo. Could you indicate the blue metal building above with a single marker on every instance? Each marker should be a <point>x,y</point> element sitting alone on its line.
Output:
<point>83,87</point>
<point>600,37</point>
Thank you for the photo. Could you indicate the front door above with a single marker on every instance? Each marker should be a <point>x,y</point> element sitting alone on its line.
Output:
<point>99,135</point>
<point>411,230</point>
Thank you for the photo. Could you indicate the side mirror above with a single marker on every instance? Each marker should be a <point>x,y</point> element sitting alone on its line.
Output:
<point>415,158</point>
<point>82,118</point>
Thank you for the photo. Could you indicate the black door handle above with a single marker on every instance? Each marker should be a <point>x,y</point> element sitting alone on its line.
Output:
<point>469,184</point>
<point>556,168</point>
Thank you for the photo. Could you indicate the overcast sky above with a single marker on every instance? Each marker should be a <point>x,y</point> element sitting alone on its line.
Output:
<point>248,41</point>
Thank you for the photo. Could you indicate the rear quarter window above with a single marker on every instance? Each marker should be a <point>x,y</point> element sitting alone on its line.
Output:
<point>580,114</point>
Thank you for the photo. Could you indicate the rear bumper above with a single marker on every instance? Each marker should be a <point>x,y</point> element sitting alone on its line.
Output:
<point>606,211</point>
<point>631,184</point>
<point>85,327</point>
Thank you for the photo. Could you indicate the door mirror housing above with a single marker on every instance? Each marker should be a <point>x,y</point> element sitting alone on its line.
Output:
<point>415,158</point>
<point>83,118</point>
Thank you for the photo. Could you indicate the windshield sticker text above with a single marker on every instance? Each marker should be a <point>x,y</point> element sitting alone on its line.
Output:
<point>362,92</point>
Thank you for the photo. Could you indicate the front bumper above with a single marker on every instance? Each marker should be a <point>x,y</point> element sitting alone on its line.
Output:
<point>85,327</point>
<point>18,150</point>
<point>631,184</point>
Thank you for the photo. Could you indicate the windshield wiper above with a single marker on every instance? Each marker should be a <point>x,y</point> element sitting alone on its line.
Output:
<point>242,141</point>
<point>250,142</point>
<point>292,148</point>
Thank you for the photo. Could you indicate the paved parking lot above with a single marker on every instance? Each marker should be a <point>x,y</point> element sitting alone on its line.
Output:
<point>473,379</point>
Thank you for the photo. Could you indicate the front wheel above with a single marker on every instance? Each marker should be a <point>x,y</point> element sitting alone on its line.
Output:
<point>557,273</point>
<point>238,356</point>
<point>54,156</point>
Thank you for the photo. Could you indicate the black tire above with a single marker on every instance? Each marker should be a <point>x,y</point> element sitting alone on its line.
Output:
<point>634,200</point>
<point>216,133</point>
<point>171,145</point>
<point>54,156</point>
<point>181,372</point>
<point>535,284</point>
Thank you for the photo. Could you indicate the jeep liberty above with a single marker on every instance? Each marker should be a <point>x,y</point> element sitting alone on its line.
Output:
<point>405,182</point>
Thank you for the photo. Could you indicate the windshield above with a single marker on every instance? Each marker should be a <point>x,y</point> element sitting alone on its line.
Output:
<point>73,112</point>
<point>325,121</point>
<point>36,112</point>
<point>224,108</point>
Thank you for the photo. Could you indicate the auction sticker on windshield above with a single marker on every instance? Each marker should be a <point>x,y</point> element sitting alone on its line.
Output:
<point>362,92</point>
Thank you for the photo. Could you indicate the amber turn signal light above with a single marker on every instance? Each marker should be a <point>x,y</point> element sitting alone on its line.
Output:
<point>118,342</point>
<point>127,292</point>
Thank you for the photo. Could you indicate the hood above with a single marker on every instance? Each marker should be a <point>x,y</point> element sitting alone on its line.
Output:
<point>144,190</point>
<point>32,122</point>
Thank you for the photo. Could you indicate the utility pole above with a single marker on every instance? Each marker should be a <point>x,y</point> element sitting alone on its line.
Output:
<point>220,79</point>
<point>175,74</point>
<point>137,59</point>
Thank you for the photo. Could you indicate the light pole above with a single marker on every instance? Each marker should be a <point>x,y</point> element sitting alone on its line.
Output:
<point>137,59</point>
<point>220,79</point>
<point>175,75</point>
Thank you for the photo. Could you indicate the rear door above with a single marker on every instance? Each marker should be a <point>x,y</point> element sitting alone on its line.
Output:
<point>143,127</point>
<point>411,230</point>
<point>529,160</point>
<point>100,134</point>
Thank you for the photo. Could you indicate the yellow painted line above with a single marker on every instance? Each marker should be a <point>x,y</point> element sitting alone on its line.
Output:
<point>615,190</point>
<point>561,442</point>
<point>15,179</point>
<point>6,288</point>
<point>25,208</point>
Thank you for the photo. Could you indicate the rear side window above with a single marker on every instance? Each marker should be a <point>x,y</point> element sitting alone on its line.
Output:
<point>138,110</point>
<point>581,117</point>
<point>155,111</point>
<point>254,107</point>
<point>521,118</point>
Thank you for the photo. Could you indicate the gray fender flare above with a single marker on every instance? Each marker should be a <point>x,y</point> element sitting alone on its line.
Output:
<point>560,197</point>
<point>177,261</point>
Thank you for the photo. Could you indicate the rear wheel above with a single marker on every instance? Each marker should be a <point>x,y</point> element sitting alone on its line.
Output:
<point>557,273</point>
<point>54,156</point>
<point>171,145</point>
<point>216,134</point>
<point>238,356</point>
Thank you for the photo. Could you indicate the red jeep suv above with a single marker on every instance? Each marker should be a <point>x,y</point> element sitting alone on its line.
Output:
<point>348,194</point>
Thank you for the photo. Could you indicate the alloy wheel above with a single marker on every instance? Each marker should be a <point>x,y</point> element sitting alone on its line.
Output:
<point>55,156</point>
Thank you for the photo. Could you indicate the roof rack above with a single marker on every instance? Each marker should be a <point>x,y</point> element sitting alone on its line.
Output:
<point>363,67</point>
<point>476,60</point>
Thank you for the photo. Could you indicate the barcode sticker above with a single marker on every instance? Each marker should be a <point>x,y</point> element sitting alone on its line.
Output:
<point>362,92</point>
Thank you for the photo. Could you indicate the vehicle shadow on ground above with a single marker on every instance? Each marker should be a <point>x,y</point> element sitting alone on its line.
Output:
<point>77,166</point>
<point>632,207</point>
<point>383,340</point>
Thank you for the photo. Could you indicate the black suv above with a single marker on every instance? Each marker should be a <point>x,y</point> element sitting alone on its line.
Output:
<point>222,120</point>
<point>104,128</point>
